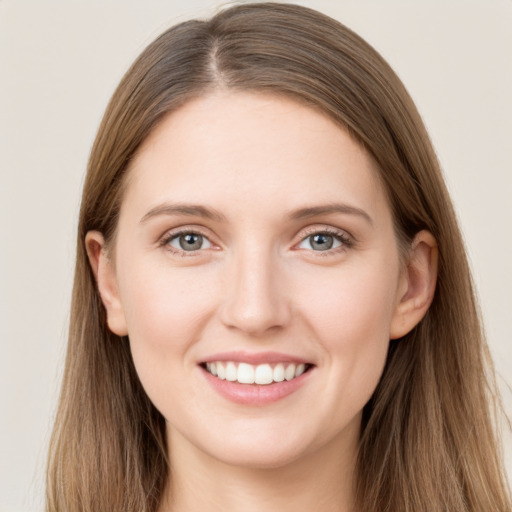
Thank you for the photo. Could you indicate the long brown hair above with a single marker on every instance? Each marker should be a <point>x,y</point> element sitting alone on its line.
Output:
<point>428,441</point>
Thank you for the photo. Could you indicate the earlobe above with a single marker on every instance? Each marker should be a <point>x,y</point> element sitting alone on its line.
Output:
<point>418,284</point>
<point>106,281</point>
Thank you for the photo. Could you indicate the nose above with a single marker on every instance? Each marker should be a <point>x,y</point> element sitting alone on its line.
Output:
<point>255,301</point>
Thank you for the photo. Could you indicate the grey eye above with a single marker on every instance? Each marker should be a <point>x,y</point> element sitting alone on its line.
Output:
<point>190,242</point>
<point>320,242</point>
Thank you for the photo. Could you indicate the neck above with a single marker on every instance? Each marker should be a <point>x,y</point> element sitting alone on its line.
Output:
<point>322,481</point>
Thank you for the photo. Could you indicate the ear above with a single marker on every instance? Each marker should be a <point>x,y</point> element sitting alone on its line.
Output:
<point>104,273</point>
<point>417,285</point>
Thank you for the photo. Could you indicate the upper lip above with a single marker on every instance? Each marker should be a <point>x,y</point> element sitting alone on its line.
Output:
<point>255,358</point>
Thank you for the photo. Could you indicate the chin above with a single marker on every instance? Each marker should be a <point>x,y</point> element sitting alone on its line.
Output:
<point>265,449</point>
<point>254,457</point>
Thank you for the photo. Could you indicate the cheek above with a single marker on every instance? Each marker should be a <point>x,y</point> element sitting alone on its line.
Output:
<point>350,313</point>
<point>166,310</point>
<point>350,304</point>
<point>163,304</point>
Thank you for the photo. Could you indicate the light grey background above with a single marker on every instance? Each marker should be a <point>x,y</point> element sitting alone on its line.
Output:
<point>59,64</point>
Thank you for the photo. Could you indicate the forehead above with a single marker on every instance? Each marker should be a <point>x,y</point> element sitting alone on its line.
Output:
<point>251,149</point>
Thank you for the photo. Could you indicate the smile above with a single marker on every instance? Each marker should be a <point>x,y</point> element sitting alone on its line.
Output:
<point>260,374</point>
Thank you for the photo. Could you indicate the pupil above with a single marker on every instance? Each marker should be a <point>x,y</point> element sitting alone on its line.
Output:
<point>191,241</point>
<point>322,242</point>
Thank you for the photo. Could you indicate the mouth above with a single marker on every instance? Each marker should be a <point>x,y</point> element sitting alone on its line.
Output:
<point>261,374</point>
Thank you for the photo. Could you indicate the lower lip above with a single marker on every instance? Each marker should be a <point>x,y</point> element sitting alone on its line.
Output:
<point>255,394</point>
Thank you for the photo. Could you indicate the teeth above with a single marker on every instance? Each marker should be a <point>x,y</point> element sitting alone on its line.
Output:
<point>231,373</point>
<point>279,373</point>
<point>245,373</point>
<point>300,370</point>
<point>263,374</point>
<point>221,371</point>
<point>255,374</point>
<point>289,373</point>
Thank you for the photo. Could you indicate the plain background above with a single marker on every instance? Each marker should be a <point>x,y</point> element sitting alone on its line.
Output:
<point>59,64</point>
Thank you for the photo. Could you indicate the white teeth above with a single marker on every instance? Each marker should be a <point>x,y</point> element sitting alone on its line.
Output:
<point>300,370</point>
<point>245,373</point>
<point>279,373</point>
<point>221,372</point>
<point>255,374</point>
<point>289,373</point>
<point>231,373</point>
<point>263,374</point>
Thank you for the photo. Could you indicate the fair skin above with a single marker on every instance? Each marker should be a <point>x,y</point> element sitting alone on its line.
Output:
<point>229,242</point>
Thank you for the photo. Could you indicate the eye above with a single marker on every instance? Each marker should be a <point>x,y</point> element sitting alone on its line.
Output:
<point>189,241</point>
<point>323,241</point>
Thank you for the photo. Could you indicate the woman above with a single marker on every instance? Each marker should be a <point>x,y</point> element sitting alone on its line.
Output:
<point>272,303</point>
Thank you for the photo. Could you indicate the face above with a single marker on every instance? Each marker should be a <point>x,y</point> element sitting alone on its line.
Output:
<point>255,241</point>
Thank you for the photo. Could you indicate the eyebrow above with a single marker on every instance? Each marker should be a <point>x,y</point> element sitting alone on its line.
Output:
<point>196,210</point>
<point>191,210</point>
<point>315,211</point>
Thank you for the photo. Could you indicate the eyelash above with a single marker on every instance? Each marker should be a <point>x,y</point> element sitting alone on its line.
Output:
<point>346,241</point>
<point>168,237</point>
